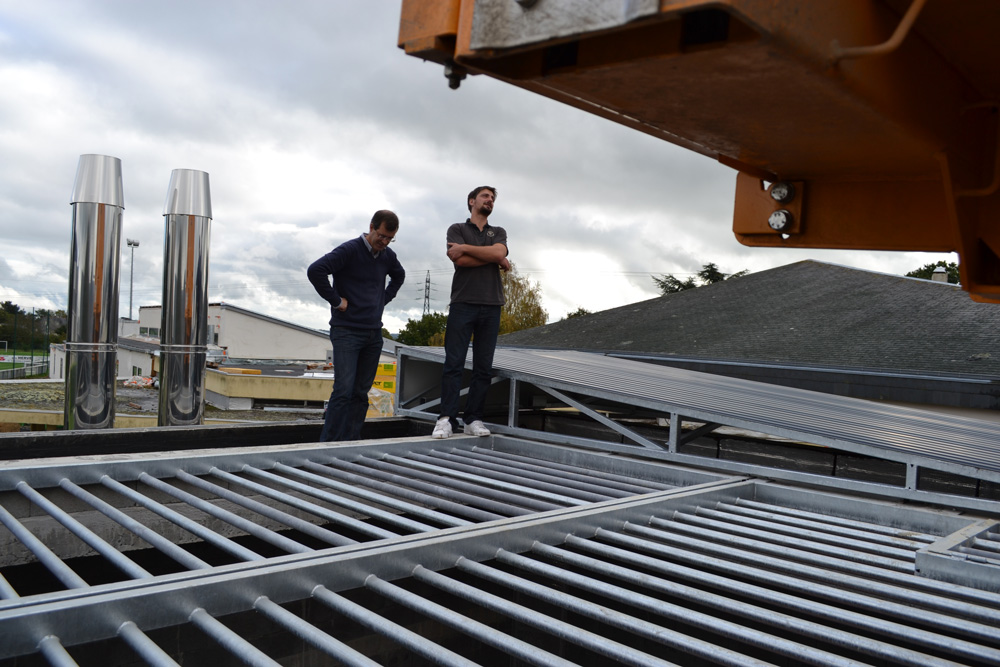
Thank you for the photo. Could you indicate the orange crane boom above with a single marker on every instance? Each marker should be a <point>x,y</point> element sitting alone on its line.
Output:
<point>860,124</point>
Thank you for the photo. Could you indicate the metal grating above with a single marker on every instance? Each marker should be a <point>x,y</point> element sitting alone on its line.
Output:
<point>73,526</point>
<point>733,573</point>
<point>596,385</point>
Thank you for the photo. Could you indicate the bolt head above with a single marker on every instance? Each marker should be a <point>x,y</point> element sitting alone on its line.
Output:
<point>782,192</point>
<point>780,220</point>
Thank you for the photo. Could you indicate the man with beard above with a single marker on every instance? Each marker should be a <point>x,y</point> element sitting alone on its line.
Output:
<point>479,252</point>
<point>357,298</point>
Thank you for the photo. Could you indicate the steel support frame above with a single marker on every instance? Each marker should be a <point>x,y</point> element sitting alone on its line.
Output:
<point>560,389</point>
<point>56,621</point>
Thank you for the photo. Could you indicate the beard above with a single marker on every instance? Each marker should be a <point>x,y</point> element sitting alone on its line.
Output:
<point>485,210</point>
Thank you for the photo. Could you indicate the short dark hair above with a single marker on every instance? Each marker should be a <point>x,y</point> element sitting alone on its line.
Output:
<point>387,218</point>
<point>475,193</point>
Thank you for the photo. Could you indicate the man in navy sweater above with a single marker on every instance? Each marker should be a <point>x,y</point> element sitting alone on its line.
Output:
<point>357,297</point>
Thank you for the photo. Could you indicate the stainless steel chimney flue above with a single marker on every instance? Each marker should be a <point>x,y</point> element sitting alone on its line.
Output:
<point>92,330</point>
<point>184,318</point>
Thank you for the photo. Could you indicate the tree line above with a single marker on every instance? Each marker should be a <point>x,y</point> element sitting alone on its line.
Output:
<point>35,329</point>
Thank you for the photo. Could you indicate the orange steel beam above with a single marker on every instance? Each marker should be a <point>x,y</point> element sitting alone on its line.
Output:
<point>884,113</point>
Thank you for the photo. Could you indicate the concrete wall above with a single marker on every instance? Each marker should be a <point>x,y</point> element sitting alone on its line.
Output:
<point>246,335</point>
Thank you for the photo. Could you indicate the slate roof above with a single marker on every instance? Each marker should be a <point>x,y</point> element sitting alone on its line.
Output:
<point>808,313</point>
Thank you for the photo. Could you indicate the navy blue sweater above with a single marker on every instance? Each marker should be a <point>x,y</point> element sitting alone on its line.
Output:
<point>359,278</point>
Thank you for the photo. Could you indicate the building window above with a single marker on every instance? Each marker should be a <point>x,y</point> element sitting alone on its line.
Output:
<point>143,331</point>
<point>153,331</point>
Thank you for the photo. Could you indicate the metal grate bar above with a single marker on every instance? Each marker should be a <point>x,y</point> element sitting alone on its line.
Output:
<point>229,640</point>
<point>802,540</point>
<point>269,536</point>
<point>322,534</point>
<point>601,645</point>
<point>7,591</point>
<point>670,638</point>
<point>518,490</point>
<point>510,504</point>
<point>211,537</point>
<point>502,473</point>
<point>578,482</point>
<point>665,588</point>
<point>52,562</point>
<point>150,536</point>
<point>321,475</point>
<point>900,550</point>
<point>310,633</point>
<point>430,492</point>
<point>678,615</point>
<point>364,528</point>
<point>512,646</point>
<point>826,519</point>
<point>905,588</point>
<point>55,653</point>
<point>346,473</point>
<point>629,485</point>
<point>425,648</point>
<point>115,557</point>
<point>291,501</point>
<point>796,525</point>
<point>144,646</point>
<point>765,587</point>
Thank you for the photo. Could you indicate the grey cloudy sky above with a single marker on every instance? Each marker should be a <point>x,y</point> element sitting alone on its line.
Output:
<point>308,118</point>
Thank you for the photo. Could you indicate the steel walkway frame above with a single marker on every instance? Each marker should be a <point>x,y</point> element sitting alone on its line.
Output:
<point>730,572</point>
<point>594,383</point>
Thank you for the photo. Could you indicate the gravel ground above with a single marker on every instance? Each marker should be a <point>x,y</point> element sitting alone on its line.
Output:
<point>128,401</point>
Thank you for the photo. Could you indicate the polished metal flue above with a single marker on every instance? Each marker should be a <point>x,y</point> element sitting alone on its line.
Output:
<point>184,319</point>
<point>92,332</point>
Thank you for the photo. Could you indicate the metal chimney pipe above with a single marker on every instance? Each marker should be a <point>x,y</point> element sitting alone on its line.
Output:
<point>92,330</point>
<point>184,318</point>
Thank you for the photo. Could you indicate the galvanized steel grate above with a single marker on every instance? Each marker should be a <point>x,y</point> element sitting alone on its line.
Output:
<point>734,573</point>
<point>85,524</point>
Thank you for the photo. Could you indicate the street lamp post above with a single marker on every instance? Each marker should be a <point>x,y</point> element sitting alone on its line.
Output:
<point>133,244</point>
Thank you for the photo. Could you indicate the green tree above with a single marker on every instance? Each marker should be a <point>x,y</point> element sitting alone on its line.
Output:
<point>386,334</point>
<point>579,312</point>
<point>422,331</point>
<point>927,271</point>
<point>709,274</point>
<point>11,308</point>
<point>523,309</point>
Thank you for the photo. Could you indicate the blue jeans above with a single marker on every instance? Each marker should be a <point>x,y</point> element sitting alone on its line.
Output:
<point>355,359</point>
<point>480,324</point>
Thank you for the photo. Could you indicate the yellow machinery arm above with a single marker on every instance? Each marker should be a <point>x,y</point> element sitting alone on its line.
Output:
<point>865,124</point>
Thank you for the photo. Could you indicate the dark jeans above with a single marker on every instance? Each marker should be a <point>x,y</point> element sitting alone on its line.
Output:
<point>481,324</point>
<point>355,359</point>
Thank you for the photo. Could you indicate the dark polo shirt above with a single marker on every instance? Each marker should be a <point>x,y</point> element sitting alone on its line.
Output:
<point>478,285</point>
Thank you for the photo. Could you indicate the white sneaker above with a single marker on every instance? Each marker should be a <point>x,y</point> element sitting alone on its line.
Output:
<point>477,428</point>
<point>442,429</point>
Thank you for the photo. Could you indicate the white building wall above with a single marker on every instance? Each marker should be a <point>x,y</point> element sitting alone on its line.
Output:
<point>246,335</point>
<point>134,362</point>
<point>57,361</point>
